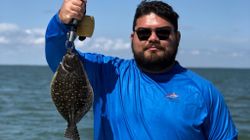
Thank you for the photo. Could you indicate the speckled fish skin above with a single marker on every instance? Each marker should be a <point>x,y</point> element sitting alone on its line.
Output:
<point>71,92</point>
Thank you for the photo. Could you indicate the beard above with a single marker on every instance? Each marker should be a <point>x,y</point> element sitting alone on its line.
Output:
<point>156,63</point>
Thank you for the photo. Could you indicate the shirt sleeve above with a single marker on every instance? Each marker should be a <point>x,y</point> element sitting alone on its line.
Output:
<point>218,124</point>
<point>55,37</point>
<point>99,68</point>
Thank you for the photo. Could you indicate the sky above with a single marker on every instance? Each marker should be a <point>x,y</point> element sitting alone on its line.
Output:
<point>213,33</point>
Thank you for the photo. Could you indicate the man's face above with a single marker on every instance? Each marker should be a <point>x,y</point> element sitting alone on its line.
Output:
<point>154,43</point>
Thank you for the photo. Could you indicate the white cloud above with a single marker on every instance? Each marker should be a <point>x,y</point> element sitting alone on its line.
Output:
<point>103,44</point>
<point>4,40</point>
<point>235,54</point>
<point>32,41</point>
<point>7,27</point>
<point>214,57</point>
<point>13,35</point>
<point>39,41</point>
<point>195,52</point>
<point>231,39</point>
<point>35,31</point>
<point>119,44</point>
<point>29,44</point>
<point>107,46</point>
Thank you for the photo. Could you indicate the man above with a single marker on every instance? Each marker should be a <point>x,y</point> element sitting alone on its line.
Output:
<point>151,96</point>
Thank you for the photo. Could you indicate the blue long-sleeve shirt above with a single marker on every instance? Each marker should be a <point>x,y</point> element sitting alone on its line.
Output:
<point>132,104</point>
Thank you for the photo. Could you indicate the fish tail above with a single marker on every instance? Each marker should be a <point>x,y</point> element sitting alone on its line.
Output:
<point>71,132</point>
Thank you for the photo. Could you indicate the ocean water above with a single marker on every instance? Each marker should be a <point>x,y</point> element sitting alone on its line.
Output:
<point>27,111</point>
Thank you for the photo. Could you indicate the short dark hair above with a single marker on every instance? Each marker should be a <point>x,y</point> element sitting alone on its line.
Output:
<point>160,8</point>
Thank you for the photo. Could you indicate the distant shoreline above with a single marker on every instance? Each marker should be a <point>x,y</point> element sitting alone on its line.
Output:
<point>39,65</point>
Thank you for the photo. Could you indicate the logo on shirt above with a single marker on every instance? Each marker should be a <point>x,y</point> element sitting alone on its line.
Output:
<point>171,95</point>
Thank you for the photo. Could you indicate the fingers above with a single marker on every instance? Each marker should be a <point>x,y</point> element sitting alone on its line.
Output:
<point>72,9</point>
<point>76,12</point>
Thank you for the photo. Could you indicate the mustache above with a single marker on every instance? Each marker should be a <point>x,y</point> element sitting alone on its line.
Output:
<point>153,45</point>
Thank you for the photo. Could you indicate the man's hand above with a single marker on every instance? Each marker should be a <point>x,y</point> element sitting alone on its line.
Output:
<point>72,9</point>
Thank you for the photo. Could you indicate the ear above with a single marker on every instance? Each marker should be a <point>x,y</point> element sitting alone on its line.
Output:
<point>178,37</point>
<point>132,36</point>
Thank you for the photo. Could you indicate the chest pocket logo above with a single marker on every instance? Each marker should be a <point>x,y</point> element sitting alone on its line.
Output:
<point>172,95</point>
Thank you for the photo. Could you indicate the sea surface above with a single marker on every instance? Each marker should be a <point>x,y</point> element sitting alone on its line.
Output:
<point>27,111</point>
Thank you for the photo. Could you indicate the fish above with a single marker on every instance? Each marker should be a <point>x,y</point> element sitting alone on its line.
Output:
<point>71,92</point>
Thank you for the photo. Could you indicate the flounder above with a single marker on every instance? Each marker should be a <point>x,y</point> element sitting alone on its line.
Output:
<point>71,92</point>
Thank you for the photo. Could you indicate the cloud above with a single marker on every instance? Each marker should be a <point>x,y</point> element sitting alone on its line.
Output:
<point>229,51</point>
<point>8,27</point>
<point>4,40</point>
<point>26,46</point>
<point>214,57</point>
<point>105,44</point>
<point>34,37</point>
<point>21,46</point>
<point>231,40</point>
<point>195,52</point>
<point>13,35</point>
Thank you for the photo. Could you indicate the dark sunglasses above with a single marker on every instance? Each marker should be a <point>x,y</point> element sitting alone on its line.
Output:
<point>144,33</point>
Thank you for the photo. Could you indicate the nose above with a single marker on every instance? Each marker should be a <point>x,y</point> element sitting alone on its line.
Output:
<point>153,36</point>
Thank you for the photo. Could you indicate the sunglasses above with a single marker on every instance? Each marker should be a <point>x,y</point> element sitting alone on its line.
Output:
<point>144,33</point>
